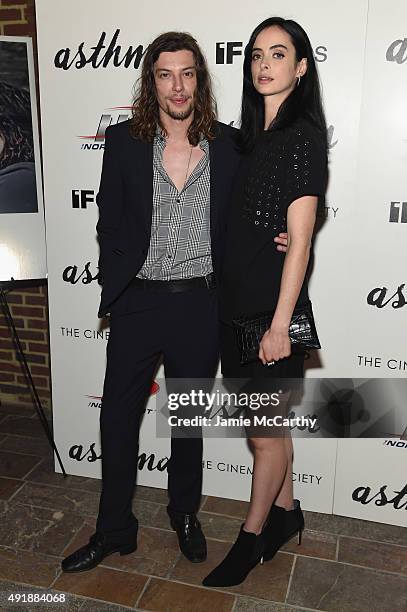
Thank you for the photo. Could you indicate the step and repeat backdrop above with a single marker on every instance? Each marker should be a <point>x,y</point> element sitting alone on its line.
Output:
<point>89,58</point>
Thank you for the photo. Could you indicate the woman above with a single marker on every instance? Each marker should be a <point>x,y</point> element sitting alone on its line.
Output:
<point>283,172</point>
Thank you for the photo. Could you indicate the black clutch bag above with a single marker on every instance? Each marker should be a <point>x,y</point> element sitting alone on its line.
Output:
<point>250,330</point>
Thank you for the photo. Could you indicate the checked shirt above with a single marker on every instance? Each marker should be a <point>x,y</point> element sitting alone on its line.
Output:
<point>180,244</point>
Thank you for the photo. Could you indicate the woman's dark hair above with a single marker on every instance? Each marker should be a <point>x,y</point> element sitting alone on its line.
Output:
<point>15,125</point>
<point>304,101</point>
<point>145,105</point>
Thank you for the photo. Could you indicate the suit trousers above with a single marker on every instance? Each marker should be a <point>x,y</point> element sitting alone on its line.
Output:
<point>182,329</point>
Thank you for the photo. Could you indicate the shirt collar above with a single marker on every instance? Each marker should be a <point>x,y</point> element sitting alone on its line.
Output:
<point>160,140</point>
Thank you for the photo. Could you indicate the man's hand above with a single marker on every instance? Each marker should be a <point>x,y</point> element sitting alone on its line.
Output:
<point>281,240</point>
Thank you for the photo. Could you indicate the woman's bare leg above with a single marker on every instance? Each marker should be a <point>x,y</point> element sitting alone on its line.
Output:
<point>285,496</point>
<point>272,474</point>
<point>269,471</point>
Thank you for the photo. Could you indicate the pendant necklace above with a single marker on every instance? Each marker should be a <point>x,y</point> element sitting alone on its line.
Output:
<point>189,161</point>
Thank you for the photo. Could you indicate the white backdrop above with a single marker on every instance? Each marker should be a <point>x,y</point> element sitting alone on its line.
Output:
<point>357,248</point>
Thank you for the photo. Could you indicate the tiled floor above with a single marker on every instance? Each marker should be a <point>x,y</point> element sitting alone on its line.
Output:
<point>343,565</point>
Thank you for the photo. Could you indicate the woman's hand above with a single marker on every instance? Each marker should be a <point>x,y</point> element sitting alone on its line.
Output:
<point>274,345</point>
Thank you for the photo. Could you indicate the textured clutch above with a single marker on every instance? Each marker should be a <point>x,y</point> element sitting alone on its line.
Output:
<point>250,330</point>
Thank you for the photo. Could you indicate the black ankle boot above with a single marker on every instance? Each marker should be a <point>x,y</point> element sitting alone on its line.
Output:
<point>245,553</point>
<point>280,526</point>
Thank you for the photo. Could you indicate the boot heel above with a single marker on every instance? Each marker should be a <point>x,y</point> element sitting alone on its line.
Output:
<point>127,550</point>
<point>299,536</point>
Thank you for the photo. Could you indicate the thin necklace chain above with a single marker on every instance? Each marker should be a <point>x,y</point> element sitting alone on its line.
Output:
<point>189,161</point>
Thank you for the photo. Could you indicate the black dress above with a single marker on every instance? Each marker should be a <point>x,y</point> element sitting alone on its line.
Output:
<point>284,165</point>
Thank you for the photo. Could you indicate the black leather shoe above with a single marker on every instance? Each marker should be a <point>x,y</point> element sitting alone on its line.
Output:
<point>92,554</point>
<point>191,539</point>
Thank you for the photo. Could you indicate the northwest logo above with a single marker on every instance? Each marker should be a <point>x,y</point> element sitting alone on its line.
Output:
<point>96,141</point>
<point>95,401</point>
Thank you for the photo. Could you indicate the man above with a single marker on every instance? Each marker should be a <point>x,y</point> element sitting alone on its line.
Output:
<point>164,190</point>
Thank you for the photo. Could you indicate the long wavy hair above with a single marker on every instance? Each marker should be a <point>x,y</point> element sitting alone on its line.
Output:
<point>304,101</point>
<point>15,126</point>
<point>145,106</point>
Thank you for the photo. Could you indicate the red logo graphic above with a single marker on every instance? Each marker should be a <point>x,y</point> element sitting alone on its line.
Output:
<point>155,387</point>
<point>106,120</point>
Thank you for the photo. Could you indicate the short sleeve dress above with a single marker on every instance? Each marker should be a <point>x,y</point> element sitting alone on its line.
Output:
<point>284,165</point>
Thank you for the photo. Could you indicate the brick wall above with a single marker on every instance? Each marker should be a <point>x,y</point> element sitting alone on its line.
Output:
<point>28,301</point>
<point>17,18</point>
<point>29,307</point>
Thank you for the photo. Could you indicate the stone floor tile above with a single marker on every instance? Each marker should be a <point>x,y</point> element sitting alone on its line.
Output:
<point>156,555</point>
<point>82,536</point>
<point>357,528</point>
<point>151,514</point>
<point>8,486</point>
<point>22,426</point>
<point>268,581</point>
<point>104,583</point>
<point>27,445</point>
<point>377,555</point>
<point>249,604</point>
<point>33,568</point>
<point>229,507</point>
<point>13,465</point>
<point>214,525</point>
<point>166,596</point>
<point>17,409</point>
<point>58,498</point>
<point>313,544</point>
<point>334,587</point>
<point>70,603</point>
<point>159,496</point>
<point>37,529</point>
<point>220,527</point>
<point>88,605</point>
<point>45,474</point>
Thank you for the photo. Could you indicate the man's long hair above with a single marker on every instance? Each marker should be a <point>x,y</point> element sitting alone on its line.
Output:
<point>15,126</point>
<point>145,106</point>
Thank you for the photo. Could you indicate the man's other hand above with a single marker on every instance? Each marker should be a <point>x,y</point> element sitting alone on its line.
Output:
<point>281,240</point>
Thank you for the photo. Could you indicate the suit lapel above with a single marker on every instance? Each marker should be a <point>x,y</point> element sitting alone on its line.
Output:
<point>215,151</point>
<point>145,168</point>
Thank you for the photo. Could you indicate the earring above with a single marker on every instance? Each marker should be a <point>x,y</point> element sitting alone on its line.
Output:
<point>299,80</point>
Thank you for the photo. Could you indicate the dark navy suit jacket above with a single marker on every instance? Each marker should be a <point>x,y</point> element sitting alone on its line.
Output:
<point>125,201</point>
